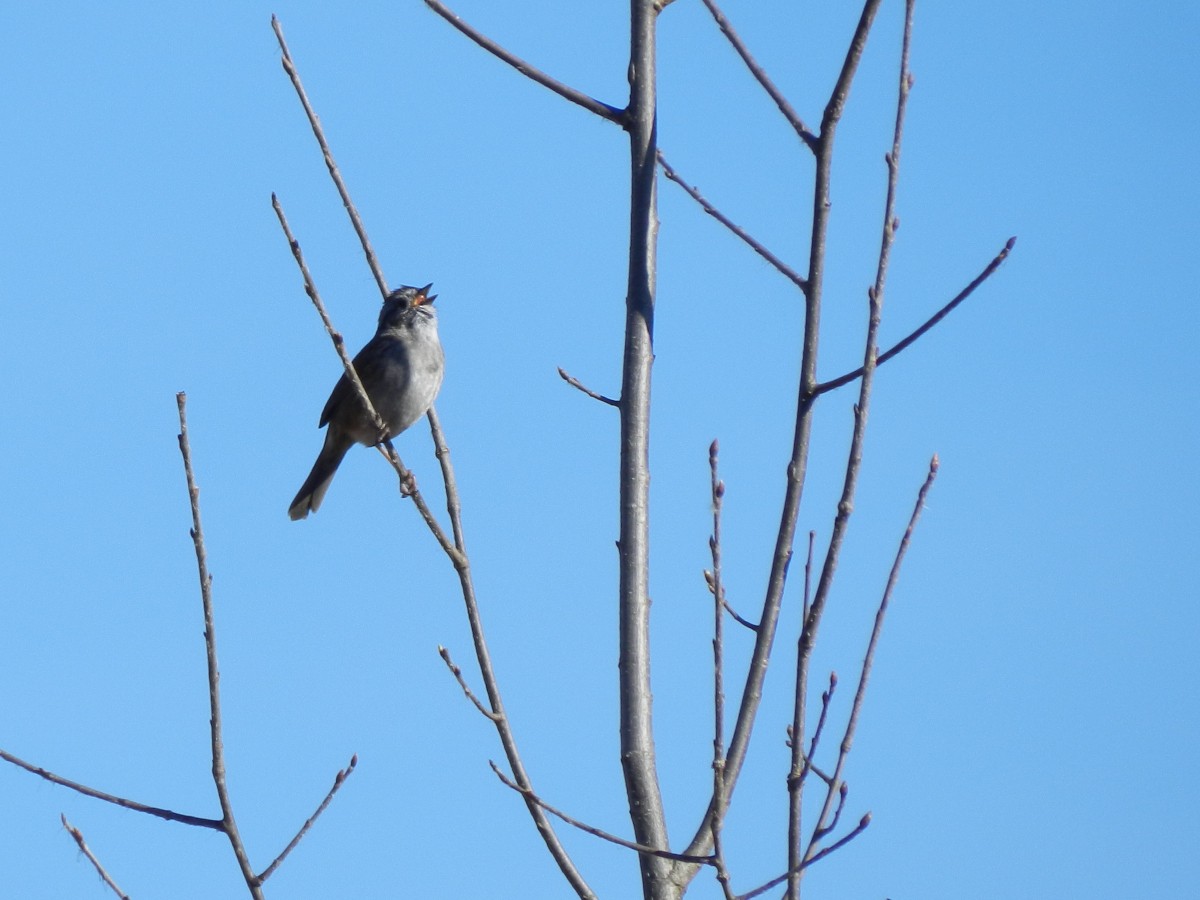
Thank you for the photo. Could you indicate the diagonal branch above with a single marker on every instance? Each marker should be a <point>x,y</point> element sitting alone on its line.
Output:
<point>580,386</point>
<point>338,781</point>
<point>793,118</point>
<point>827,386</point>
<point>77,835</point>
<point>168,814</point>
<point>780,266</point>
<point>290,68</point>
<point>591,104</point>
<point>593,830</point>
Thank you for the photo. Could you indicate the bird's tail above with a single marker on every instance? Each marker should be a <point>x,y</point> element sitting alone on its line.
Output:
<point>313,492</point>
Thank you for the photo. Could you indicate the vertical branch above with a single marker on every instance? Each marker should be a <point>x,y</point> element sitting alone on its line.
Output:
<point>718,590</point>
<point>637,735</point>
<point>228,823</point>
<point>798,462</point>
<point>808,632</point>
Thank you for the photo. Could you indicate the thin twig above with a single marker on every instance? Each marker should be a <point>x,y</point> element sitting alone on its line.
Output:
<point>591,104</point>
<point>338,781</point>
<point>718,591</point>
<point>806,761</point>
<point>834,383</point>
<point>462,683</point>
<point>228,823</point>
<point>532,797</point>
<point>290,68</point>
<point>168,814</point>
<point>761,76</point>
<point>872,644</point>
<point>755,245</point>
<point>775,882</point>
<point>575,383</point>
<point>86,851</point>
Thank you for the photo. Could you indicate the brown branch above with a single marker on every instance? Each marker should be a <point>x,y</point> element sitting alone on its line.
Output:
<point>168,814</point>
<point>575,383</point>
<point>462,683</point>
<point>808,632</point>
<point>834,383</point>
<point>761,76</point>
<point>808,635</point>
<point>228,823</point>
<point>837,845</point>
<point>86,851</point>
<point>797,465</point>
<point>591,104</point>
<point>718,591</point>
<point>338,781</point>
<point>455,551</point>
<point>532,797</point>
<point>779,265</point>
<point>869,657</point>
<point>315,122</point>
<point>806,759</point>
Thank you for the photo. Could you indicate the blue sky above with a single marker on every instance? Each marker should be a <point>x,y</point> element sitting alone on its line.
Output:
<point>1031,719</point>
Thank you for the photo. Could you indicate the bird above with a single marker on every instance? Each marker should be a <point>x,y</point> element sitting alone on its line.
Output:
<point>401,368</point>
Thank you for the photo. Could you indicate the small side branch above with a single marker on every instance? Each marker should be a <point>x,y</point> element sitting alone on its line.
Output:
<point>591,104</point>
<point>793,118</point>
<point>168,814</point>
<point>462,683</point>
<point>531,797</point>
<point>579,386</point>
<point>86,851</point>
<point>778,264</point>
<point>827,386</point>
<point>338,781</point>
<point>836,845</point>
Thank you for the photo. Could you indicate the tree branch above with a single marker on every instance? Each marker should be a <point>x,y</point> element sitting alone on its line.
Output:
<point>168,814</point>
<point>319,133</point>
<point>338,781</point>
<point>633,665</point>
<point>86,851</point>
<point>761,76</point>
<point>575,383</point>
<point>529,795</point>
<point>827,386</point>
<point>457,554</point>
<point>779,265</point>
<point>228,823</point>
<point>808,634</point>
<point>603,110</point>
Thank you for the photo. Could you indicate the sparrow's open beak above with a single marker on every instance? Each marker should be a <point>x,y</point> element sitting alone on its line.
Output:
<point>423,296</point>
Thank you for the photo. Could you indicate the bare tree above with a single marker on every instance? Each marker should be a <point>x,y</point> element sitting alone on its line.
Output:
<point>666,873</point>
